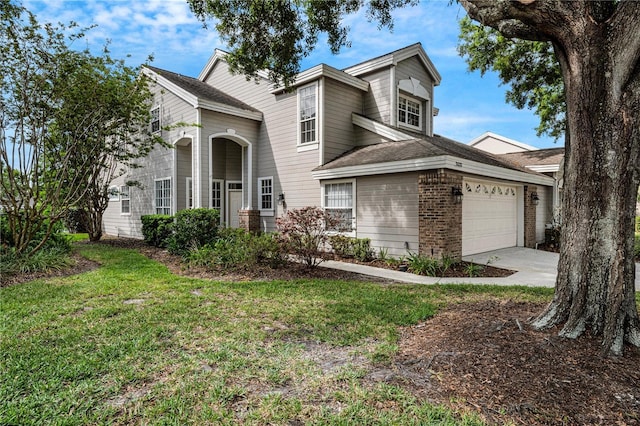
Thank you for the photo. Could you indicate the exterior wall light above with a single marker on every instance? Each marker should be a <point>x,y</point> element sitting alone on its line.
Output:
<point>280,198</point>
<point>534,198</point>
<point>456,193</point>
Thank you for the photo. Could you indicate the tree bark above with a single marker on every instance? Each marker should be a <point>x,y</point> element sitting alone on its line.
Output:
<point>599,53</point>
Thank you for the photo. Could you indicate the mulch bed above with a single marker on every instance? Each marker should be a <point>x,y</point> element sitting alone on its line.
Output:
<point>485,358</point>
<point>480,357</point>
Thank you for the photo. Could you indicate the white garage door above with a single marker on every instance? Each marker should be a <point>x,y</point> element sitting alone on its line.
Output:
<point>489,216</point>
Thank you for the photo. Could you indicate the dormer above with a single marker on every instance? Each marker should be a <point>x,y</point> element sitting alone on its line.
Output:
<point>401,88</point>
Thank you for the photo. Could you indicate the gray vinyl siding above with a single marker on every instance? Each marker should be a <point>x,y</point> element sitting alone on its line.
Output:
<point>387,211</point>
<point>157,165</point>
<point>183,170</point>
<point>276,154</point>
<point>544,211</point>
<point>340,101</point>
<point>365,137</point>
<point>377,102</point>
<point>412,67</point>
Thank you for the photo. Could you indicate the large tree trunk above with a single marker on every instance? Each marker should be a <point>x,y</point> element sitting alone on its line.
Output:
<point>598,47</point>
<point>596,272</point>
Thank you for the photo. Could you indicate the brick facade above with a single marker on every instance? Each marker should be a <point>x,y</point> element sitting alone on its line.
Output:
<point>439,216</point>
<point>529,217</point>
<point>249,220</point>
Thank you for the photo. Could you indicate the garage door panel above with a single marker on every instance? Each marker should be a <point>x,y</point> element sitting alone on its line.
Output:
<point>489,216</point>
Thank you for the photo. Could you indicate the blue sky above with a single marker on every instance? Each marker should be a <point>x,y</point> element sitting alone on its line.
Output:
<point>469,104</point>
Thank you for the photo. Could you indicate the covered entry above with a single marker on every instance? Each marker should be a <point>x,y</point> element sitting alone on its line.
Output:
<point>489,216</point>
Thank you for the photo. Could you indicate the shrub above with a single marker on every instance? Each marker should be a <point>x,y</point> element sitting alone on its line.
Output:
<point>193,228</point>
<point>156,229</point>
<point>359,248</point>
<point>74,220</point>
<point>239,249</point>
<point>422,265</point>
<point>304,232</point>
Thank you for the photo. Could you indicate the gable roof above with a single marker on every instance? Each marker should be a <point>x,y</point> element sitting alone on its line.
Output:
<point>541,160</point>
<point>503,139</point>
<point>393,58</point>
<point>202,95</point>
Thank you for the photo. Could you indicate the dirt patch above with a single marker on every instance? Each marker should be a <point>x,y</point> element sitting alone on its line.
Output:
<point>484,357</point>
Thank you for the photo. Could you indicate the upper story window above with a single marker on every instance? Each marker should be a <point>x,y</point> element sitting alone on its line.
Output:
<point>308,108</point>
<point>409,112</point>
<point>155,119</point>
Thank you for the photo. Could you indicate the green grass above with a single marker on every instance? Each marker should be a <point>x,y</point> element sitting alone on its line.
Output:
<point>130,343</point>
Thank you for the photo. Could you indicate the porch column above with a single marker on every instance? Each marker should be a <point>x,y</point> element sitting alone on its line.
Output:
<point>249,220</point>
<point>529,216</point>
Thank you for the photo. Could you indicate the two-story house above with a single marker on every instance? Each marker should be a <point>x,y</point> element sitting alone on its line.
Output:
<point>358,142</point>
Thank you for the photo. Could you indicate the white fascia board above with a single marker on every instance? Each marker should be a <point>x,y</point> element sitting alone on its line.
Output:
<point>548,168</point>
<point>431,163</point>
<point>227,109</point>
<point>393,59</point>
<point>379,128</point>
<point>324,70</point>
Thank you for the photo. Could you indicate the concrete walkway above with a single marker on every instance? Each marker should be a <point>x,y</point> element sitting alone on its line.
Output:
<point>534,268</point>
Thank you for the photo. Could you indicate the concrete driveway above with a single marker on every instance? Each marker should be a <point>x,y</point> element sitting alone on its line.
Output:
<point>535,268</point>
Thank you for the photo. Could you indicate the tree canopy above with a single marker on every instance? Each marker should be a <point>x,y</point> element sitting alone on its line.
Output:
<point>68,120</point>
<point>529,68</point>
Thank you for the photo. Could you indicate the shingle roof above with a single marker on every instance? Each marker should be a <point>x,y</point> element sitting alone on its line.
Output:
<point>539,157</point>
<point>423,147</point>
<point>201,90</point>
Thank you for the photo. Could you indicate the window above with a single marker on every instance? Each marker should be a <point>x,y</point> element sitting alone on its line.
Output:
<point>189,192</point>
<point>339,203</point>
<point>265,186</point>
<point>163,196</point>
<point>114,193</point>
<point>216,194</point>
<point>125,200</point>
<point>409,112</point>
<point>155,119</point>
<point>307,105</point>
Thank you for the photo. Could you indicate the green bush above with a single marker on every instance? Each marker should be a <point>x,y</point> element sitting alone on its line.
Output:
<point>637,223</point>
<point>74,221</point>
<point>239,249</point>
<point>359,248</point>
<point>193,228</point>
<point>156,229</point>
<point>423,265</point>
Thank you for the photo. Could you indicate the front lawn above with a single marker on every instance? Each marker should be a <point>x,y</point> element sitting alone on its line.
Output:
<point>131,343</point>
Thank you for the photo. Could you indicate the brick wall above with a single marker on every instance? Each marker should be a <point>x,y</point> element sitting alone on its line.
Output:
<point>439,216</point>
<point>529,217</point>
<point>249,220</point>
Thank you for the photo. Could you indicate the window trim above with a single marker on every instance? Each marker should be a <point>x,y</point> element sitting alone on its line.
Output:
<point>267,211</point>
<point>113,193</point>
<point>125,196</point>
<point>420,112</point>
<point>221,199</point>
<point>313,144</point>
<point>188,202</point>
<point>155,198</point>
<point>353,232</point>
<point>154,120</point>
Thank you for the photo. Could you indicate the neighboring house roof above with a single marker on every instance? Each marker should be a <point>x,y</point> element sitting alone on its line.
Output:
<point>200,94</point>
<point>393,58</point>
<point>508,143</point>
<point>422,153</point>
<point>541,160</point>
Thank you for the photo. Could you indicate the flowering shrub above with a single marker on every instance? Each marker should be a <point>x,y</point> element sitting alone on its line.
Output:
<point>304,232</point>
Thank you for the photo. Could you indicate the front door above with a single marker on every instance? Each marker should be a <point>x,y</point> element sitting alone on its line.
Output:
<point>234,203</point>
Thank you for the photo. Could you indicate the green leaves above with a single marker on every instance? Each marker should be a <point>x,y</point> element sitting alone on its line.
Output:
<point>277,35</point>
<point>529,67</point>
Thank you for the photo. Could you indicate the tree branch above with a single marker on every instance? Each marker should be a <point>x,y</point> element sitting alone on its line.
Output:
<point>625,36</point>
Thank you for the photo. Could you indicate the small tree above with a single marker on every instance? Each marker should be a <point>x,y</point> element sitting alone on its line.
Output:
<point>305,232</point>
